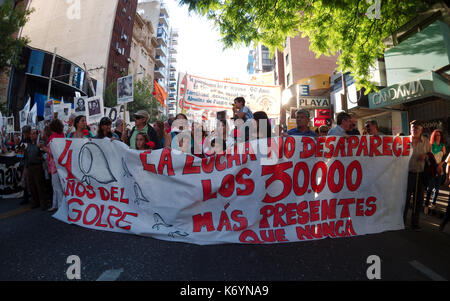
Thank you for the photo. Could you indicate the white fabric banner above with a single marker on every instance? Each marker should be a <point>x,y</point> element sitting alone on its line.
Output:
<point>324,187</point>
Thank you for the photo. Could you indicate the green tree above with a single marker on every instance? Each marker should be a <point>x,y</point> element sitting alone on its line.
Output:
<point>354,29</point>
<point>11,20</point>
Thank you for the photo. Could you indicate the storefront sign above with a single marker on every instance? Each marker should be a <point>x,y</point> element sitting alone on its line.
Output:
<point>314,102</point>
<point>323,113</point>
<point>322,121</point>
<point>398,94</point>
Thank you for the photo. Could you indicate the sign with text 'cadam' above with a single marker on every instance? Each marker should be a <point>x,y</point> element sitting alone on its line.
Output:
<point>287,190</point>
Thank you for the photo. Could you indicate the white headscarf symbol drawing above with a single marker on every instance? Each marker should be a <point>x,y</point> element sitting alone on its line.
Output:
<point>102,172</point>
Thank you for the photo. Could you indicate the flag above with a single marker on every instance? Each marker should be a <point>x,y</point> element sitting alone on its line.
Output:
<point>24,114</point>
<point>159,93</point>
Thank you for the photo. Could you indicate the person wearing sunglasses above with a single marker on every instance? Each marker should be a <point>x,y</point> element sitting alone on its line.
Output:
<point>142,126</point>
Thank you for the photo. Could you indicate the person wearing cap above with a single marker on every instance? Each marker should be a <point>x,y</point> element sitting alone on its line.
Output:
<point>104,129</point>
<point>142,126</point>
<point>420,147</point>
<point>302,129</point>
<point>344,124</point>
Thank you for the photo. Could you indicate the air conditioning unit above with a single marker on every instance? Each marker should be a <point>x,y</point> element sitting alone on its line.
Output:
<point>129,60</point>
<point>124,37</point>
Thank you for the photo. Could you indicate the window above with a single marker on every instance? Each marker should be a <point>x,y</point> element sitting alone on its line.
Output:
<point>287,59</point>
<point>288,80</point>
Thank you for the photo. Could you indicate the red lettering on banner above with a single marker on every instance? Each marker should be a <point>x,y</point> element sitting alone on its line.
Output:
<point>220,165</point>
<point>189,167</point>
<point>207,190</point>
<point>148,167</point>
<point>309,146</point>
<point>314,207</point>
<point>359,207</point>
<point>224,221</point>
<point>395,147</point>
<point>345,210</point>
<point>387,147</point>
<point>289,147</point>
<point>122,219</point>
<point>370,202</point>
<point>236,158</point>
<point>265,236</point>
<point>68,164</point>
<point>236,216</point>
<point>340,148</point>
<point>337,165</point>
<point>114,191</point>
<point>104,194</point>
<point>227,187</point>
<point>208,164</point>
<point>353,142</point>
<point>203,220</point>
<point>278,173</point>
<point>90,192</point>
<point>280,210</point>
<point>70,188</point>
<point>319,146</point>
<point>166,160</point>
<point>330,147</point>
<point>328,209</point>
<point>406,145</point>
<point>330,229</point>
<point>78,212</point>
<point>362,147</point>
<point>302,214</point>
<point>375,142</point>
<point>249,183</point>
<point>99,221</point>
<point>93,214</point>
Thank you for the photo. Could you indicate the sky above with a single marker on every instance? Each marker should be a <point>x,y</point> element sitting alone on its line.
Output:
<point>200,51</point>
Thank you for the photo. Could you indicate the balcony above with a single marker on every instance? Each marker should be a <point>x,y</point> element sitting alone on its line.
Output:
<point>161,50</point>
<point>173,50</point>
<point>174,33</point>
<point>172,59</point>
<point>163,19</point>
<point>160,61</point>
<point>173,87</point>
<point>160,72</point>
<point>172,68</point>
<point>162,38</point>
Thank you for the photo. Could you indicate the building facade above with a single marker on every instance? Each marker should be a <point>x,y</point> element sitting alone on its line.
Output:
<point>143,47</point>
<point>92,33</point>
<point>296,67</point>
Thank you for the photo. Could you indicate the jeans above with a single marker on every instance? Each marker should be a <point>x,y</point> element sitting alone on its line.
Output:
<point>434,184</point>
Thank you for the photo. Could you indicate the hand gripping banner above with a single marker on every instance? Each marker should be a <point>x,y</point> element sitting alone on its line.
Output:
<point>275,190</point>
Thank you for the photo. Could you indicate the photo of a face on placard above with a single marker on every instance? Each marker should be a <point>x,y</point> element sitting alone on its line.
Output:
<point>79,104</point>
<point>94,107</point>
<point>125,89</point>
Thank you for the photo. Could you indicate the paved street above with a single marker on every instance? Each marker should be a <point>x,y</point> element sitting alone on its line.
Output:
<point>35,246</point>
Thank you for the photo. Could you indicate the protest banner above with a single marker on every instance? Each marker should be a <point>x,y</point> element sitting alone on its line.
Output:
<point>198,93</point>
<point>264,191</point>
<point>10,177</point>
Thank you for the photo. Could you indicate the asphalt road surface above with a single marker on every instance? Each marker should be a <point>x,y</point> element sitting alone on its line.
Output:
<point>35,247</point>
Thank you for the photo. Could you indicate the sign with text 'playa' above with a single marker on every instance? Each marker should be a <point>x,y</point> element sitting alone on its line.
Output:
<point>263,191</point>
<point>198,93</point>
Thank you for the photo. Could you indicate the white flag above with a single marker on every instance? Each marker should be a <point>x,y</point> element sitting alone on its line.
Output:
<point>32,116</point>
<point>24,114</point>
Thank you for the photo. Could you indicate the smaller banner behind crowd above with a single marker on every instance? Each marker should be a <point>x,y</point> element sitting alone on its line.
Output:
<point>265,191</point>
<point>10,177</point>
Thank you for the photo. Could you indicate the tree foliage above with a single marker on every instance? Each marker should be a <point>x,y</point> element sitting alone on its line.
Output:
<point>143,98</point>
<point>11,20</point>
<point>347,28</point>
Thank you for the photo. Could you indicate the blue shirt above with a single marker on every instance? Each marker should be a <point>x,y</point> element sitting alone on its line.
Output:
<point>337,131</point>
<point>296,132</point>
<point>248,113</point>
